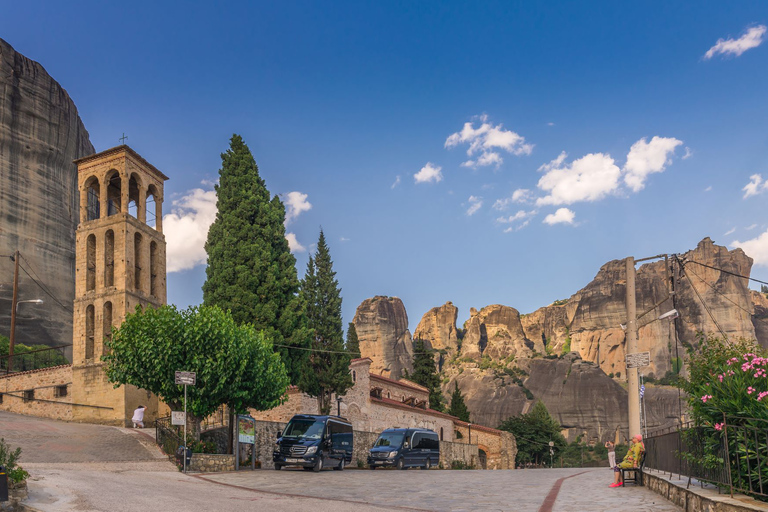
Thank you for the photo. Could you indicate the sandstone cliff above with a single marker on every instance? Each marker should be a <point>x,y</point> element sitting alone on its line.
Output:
<point>40,135</point>
<point>437,329</point>
<point>382,328</point>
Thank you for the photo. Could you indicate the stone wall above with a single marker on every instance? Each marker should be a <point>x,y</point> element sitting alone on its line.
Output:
<point>696,497</point>
<point>461,452</point>
<point>500,447</point>
<point>363,442</point>
<point>211,463</point>
<point>399,389</point>
<point>52,388</point>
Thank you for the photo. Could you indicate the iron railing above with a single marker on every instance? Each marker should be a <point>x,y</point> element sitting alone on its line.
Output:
<point>733,455</point>
<point>219,419</point>
<point>25,359</point>
<point>167,436</point>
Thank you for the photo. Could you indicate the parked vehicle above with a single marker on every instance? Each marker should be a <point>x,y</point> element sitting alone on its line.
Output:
<point>314,442</point>
<point>405,448</point>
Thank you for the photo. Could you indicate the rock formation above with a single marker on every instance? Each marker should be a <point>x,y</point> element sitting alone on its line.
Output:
<point>40,135</point>
<point>437,329</point>
<point>760,320</point>
<point>496,332</point>
<point>382,328</point>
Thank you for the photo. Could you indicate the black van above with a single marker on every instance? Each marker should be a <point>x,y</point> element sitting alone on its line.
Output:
<point>405,448</point>
<point>314,442</point>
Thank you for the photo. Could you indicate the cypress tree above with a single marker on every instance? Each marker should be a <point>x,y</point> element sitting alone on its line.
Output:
<point>353,344</point>
<point>425,374</point>
<point>251,271</point>
<point>328,370</point>
<point>458,407</point>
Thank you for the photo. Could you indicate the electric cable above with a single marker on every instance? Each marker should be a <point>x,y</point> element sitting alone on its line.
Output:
<point>41,284</point>
<point>70,309</point>
<point>727,271</point>
<point>682,266</point>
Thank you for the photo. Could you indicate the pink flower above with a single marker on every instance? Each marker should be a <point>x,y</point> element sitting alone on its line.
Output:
<point>718,426</point>
<point>750,390</point>
<point>720,377</point>
<point>762,395</point>
<point>705,398</point>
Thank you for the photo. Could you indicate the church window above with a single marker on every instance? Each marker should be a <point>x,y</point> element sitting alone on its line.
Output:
<point>151,208</point>
<point>107,324</point>
<point>137,262</point>
<point>133,197</point>
<point>93,201</point>
<point>153,269</point>
<point>109,258</point>
<point>354,376</point>
<point>441,433</point>
<point>90,263</point>
<point>29,395</point>
<point>114,194</point>
<point>89,320</point>
<point>60,391</point>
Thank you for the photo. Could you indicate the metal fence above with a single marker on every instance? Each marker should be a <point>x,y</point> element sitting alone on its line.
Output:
<point>24,359</point>
<point>167,436</point>
<point>732,456</point>
<point>219,419</point>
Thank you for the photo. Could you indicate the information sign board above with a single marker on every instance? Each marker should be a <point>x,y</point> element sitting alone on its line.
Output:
<point>178,418</point>
<point>188,378</point>
<point>246,427</point>
<point>638,360</point>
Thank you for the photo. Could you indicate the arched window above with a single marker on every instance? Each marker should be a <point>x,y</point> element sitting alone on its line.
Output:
<point>441,434</point>
<point>354,376</point>
<point>89,319</point>
<point>133,197</point>
<point>137,262</point>
<point>153,269</point>
<point>114,193</point>
<point>90,263</point>
<point>389,395</point>
<point>151,207</point>
<point>109,258</point>
<point>93,200</point>
<point>107,325</point>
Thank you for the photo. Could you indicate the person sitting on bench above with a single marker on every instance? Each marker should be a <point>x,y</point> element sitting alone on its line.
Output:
<point>631,459</point>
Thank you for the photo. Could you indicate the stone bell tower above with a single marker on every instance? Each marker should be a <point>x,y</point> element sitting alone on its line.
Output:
<point>120,263</point>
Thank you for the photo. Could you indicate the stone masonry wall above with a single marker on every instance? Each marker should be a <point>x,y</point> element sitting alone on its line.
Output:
<point>500,447</point>
<point>52,392</point>
<point>211,463</point>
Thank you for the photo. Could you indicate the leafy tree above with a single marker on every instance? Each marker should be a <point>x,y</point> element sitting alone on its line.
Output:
<point>328,370</point>
<point>29,357</point>
<point>251,271</point>
<point>235,364</point>
<point>533,431</point>
<point>458,407</point>
<point>764,289</point>
<point>353,344</point>
<point>425,374</point>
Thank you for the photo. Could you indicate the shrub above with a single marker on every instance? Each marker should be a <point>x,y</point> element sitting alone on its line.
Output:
<point>9,459</point>
<point>460,464</point>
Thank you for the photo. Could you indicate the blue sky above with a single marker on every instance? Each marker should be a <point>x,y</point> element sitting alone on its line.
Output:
<point>625,128</point>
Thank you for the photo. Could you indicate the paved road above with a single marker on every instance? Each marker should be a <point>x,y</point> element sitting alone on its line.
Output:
<point>96,468</point>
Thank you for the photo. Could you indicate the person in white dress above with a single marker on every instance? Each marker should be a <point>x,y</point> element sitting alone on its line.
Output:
<point>138,417</point>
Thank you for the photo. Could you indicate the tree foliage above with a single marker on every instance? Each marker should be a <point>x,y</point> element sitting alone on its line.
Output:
<point>328,370</point>
<point>533,431</point>
<point>458,408</point>
<point>425,374</point>
<point>353,344</point>
<point>251,271</point>
<point>29,357</point>
<point>235,364</point>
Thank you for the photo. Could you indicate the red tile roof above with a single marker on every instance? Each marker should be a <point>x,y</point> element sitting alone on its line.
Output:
<point>401,405</point>
<point>408,384</point>
<point>3,376</point>
<point>477,427</point>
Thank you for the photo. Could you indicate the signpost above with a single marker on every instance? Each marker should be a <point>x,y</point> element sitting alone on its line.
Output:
<point>246,434</point>
<point>638,360</point>
<point>177,418</point>
<point>185,378</point>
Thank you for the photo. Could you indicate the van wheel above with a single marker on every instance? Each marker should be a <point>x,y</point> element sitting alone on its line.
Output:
<point>278,467</point>
<point>400,463</point>
<point>427,465</point>
<point>318,465</point>
<point>340,467</point>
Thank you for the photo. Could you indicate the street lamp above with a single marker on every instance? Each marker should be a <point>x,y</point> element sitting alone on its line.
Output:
<point>14,311</point>
<point>338,406</point>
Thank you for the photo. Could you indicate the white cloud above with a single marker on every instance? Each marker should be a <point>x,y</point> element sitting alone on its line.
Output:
<point>186,229</point>
<point>708,189</point>
<point>429,173</point>
<point>755,186</point>
<point>646,158</point>
<point>475,203</point>
<point>521,195</point>
<point>750,227</point>
<point>730,231</point>
<point>752,38</point>
<point>295,204</point>
<point>293,243</point>
<point>485,140</point>
<point>688,153</point>
<point>756,248</point>
<point>520,215</point>
<point>590,178</point>
<point>344,239</point>
<point>550,124</point>
<point>561,216</point>
<point>397,181</point>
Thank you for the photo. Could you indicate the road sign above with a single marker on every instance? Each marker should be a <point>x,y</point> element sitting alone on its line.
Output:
<point>178,418</point>
<point>638,360</point>
<point>187,378</point>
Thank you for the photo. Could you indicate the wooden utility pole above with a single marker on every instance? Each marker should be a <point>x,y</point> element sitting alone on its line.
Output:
<point>633,394</point>
<point>13,310</point>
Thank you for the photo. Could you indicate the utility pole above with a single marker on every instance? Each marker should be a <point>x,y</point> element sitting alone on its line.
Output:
<point>633,394</point>
<point>13,310</point>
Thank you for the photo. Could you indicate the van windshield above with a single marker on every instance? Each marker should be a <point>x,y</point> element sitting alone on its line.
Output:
<point>304,429</point>
<point>390,439</point>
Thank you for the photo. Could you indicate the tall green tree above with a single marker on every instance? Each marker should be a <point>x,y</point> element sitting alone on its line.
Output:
<point>458,407</point>
<point>533,431</point>
<point>353,344</point>
<point>328,370</point>
<point>235,364</point>
<point>251,271</point>
<point>425,374</point>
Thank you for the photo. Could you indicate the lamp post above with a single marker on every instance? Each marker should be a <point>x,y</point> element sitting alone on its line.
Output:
<point>338,406</point>
<point>469,433</point>
<point>14,311</point>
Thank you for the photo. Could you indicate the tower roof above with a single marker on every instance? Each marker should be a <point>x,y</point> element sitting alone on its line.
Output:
<point>123,148</point>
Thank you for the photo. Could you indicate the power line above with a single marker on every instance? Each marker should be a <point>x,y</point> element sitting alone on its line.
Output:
<point>682,266</point>
<point>39,283</point>
<point>45,290</point>
<point>727,272</point>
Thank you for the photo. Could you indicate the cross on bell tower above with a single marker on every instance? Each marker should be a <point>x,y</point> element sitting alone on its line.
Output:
<point>120,263</point>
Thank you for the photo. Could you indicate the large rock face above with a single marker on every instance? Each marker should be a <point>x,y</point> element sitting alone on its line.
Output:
<point>40,135</point>
<point>382,328</point>
<point>437,329</point>
<point>497,332</point>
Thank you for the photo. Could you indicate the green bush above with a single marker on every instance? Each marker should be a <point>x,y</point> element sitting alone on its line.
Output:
<point>9,459</point>
<point>460,464</point>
